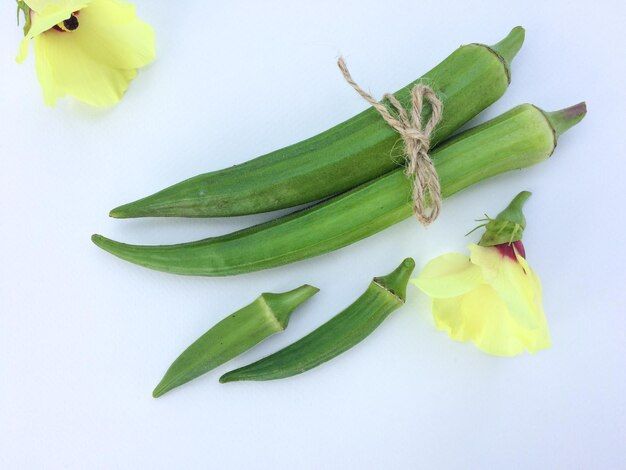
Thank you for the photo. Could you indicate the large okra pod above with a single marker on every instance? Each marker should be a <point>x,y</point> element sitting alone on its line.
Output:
<point>517,139</point>
<point>351,326</point>
<point>351,153</point>
<point>235,334</point>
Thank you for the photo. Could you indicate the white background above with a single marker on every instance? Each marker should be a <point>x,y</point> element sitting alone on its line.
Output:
<point>84,337</point>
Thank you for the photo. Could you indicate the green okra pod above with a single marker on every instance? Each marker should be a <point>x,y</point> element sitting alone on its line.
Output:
<point>235,334</point>
<point>517,139</point>
<point>345,330</point>
<point>343,157</point>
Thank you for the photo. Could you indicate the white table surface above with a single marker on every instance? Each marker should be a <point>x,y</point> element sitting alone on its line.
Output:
<point>84,337</point>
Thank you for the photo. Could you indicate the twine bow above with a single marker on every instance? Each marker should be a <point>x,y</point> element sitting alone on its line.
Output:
<point>416,137</point>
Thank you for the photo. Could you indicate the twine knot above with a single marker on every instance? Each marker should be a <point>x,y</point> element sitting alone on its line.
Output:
<point>416,137</point>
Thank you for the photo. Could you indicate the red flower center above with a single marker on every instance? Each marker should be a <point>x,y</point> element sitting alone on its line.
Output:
<point>507,249</point>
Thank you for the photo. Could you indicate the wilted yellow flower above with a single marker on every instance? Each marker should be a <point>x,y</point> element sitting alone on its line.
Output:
<point>89,49</point>
<point>491,298</point>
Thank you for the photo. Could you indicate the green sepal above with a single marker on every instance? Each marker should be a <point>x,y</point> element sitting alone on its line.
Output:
<point>25,9</point>
<point>509,225</point>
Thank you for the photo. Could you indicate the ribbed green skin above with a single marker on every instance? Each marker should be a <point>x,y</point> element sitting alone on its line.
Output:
<point>235,334</point>
<point>343,157</point>
<point>342,332</point>
<point>517,139</point>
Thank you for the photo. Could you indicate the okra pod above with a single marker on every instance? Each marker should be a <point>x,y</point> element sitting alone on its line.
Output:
<point>235,334</point>
<point>517,139</point>
<point>343,157</point>
<point>345,330</point>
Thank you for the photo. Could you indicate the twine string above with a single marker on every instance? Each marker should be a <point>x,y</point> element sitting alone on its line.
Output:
<point>416,136</point>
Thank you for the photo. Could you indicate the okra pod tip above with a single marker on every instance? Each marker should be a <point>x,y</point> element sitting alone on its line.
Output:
<point>396,281</point>
<point>510,45</point>
<point>282,305</point>
<point>563,119</point>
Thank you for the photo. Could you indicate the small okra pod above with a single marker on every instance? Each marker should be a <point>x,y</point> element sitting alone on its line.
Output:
<point>351,326</point>
<point>235,334</point>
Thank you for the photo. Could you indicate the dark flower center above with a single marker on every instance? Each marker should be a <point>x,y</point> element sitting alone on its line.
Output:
<point>68,25</point>
<point>71,23</point>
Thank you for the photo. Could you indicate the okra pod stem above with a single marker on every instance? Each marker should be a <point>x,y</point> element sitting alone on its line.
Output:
<point>517,139</point>
<point>235,334</point>
<point>343,157</point>
<point>345,330</point>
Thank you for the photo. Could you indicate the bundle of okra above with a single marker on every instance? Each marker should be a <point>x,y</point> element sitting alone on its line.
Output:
<point>363,191</point>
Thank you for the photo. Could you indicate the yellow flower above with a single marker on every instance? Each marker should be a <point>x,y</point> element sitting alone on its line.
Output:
<point>491,298</point>
<point>89,49</point>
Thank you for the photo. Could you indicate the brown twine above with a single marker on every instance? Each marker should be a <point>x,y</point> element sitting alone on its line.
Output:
<point>416,137</point>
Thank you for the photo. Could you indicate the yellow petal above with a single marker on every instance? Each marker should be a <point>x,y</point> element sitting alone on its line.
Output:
<point>51,91</point>
<point>23,50</point>
<point>41,6</point>
<point>535,279</point>
<point>480,316</point>
<point>111,33</point>
<point>448,275</point>
<point>515,287</point>
<point>64,68</point>
<point>38,5</point>
<point>488,258</point>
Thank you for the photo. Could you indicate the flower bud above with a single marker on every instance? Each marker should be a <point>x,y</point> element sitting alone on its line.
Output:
<point>508,227</point>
